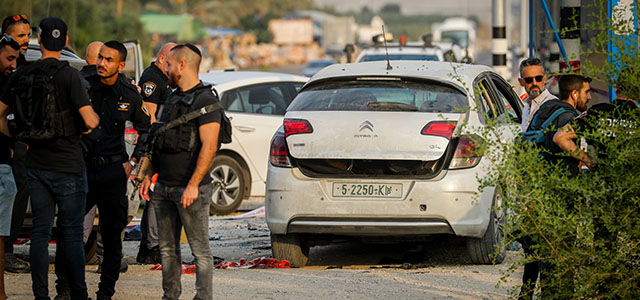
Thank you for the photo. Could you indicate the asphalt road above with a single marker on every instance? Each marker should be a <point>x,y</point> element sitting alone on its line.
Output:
<point>438,269</point>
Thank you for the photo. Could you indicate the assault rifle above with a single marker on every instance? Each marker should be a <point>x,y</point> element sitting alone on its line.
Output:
<point>157,130</point>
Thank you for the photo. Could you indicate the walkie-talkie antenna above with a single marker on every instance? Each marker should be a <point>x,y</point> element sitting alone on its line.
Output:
<point>384,39</point>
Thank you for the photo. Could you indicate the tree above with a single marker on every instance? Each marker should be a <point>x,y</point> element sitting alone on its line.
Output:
<point>391,9</point>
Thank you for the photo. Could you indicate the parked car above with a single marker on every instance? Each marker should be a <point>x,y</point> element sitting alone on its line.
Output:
<point>316,65</point>
<point>421,51</point>
<point>255,102</point>
<point>370,152</point>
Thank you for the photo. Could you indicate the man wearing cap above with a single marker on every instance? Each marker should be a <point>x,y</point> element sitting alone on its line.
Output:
<point>56,174</point>
<point>9,50</point>
<point>155,91</point>
<point>19,28</point>
<point>182,159</point>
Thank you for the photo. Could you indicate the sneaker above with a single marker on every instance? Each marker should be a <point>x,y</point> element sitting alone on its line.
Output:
<point>101,296</point>
<point>13,265</point>
<point>63,295</point>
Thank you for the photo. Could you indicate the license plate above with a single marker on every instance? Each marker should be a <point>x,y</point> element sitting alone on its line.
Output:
<point>369,190</point>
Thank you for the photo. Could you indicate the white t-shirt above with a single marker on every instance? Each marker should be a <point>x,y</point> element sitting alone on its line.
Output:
<point>531,107</point>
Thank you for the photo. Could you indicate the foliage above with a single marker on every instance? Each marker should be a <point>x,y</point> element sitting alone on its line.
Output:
<point>585,228</point>
<point>87,20</point>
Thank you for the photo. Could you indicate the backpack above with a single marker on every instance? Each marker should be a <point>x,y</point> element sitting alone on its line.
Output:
<point>38,115</point>
<point>536,132</point>
<point>224,136</point>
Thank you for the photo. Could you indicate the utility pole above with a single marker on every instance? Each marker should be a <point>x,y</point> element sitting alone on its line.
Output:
<point>499,44</point>
<point>570,19</point>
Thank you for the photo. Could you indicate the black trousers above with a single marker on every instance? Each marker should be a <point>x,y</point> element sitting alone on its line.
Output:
<point>22,197</point>
<point>107,190</point>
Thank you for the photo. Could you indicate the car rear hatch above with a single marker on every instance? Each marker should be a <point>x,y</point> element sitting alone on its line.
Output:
<point>383,128</point>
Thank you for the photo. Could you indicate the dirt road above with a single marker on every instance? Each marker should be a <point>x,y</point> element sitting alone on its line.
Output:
<point>345,270</point>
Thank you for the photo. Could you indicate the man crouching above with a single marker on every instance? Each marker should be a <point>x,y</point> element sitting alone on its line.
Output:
<point>182,157</point>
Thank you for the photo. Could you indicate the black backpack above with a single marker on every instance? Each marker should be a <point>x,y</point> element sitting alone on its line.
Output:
<point>38,115</point>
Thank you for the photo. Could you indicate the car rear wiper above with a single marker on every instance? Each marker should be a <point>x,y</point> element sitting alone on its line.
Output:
<point>391,106</point>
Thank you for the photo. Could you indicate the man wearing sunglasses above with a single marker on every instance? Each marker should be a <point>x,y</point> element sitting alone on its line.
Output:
<point>532,78</point>
<point>19,28</point>
<point>8,56</point>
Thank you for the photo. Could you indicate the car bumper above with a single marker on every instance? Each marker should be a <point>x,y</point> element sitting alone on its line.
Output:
<point>449,203</point>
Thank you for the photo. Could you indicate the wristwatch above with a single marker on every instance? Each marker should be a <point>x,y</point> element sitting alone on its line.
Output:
<point>132,163</point>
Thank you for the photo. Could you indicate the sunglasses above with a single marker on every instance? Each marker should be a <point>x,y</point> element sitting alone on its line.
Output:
<point>8,40</point>
<point>19,17</point>
<point>529,80</point>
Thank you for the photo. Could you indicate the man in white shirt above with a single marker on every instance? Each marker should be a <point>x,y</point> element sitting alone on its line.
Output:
<point>532,78</point>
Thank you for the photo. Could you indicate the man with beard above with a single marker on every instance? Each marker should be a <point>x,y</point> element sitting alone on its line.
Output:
<point>8,57</point>
<point>19,28</point>
<point>155,91</point>
<point>108,166</point>
<point>182,159</point>
<point>532,78</point>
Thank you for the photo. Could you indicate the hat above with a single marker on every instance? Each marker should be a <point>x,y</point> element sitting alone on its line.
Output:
<point>53,33</point>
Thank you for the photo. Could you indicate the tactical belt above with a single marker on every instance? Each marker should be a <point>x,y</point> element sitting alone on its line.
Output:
<point>96,162</point>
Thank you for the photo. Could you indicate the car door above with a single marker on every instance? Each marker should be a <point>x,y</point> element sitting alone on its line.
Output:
<point>257,112</point>
<point>498,101</point>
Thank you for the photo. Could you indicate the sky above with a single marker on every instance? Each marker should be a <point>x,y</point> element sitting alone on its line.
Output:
<point>481,8</point>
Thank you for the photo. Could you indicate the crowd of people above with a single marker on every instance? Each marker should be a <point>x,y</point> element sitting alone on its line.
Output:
<point>62,148</point>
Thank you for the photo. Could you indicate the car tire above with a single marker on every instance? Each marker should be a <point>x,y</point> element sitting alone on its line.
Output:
<point>485,250</point>
<point>91,248</point>
<point>290,247</point>
<point>229,185</point>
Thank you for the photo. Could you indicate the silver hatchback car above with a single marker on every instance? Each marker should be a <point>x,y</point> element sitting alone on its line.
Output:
<point>369,152</point>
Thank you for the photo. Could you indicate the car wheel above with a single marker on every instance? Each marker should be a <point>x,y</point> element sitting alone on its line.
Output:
<point>490,249</point>
<point>229,182</point>
<point>290,247</point>
<point>91,248</point>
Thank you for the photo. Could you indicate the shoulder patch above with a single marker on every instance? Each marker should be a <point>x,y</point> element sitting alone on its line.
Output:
<point>148,88</point>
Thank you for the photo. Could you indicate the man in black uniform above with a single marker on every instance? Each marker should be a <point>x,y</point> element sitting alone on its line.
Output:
<point>155,90</point>
<point>9,49</point>
<point>182,159</point>
<point>19,28</point>
<point>55,174</point>
<point>91,57</point>
<point>108,166</point>
<point>154,83</point>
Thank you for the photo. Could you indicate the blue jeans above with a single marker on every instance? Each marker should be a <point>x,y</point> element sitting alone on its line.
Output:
<point>68,192</point>
<point>171,217</point>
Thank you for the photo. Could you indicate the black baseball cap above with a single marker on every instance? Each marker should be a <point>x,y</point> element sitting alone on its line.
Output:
<point>53,33</point>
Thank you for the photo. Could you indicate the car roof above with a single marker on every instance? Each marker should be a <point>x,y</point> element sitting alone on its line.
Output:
<point>228,80</point>
<point>448,72</point>
<point>33,54</point>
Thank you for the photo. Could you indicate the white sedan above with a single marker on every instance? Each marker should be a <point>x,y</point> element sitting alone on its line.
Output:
<point>369,152</point>
<point>255,102</point>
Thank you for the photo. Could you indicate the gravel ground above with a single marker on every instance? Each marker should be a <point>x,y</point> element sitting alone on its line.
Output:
<point>344,270</point>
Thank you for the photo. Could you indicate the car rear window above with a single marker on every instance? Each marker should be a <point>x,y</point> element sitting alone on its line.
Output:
<point>381,96</point>
<point>399,57</point>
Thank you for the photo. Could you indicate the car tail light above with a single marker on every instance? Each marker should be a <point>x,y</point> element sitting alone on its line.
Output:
<point>278,153</point>
<point>468,153</point>
<point>130,135</point>
<point>439,128</point>
<point>295,126</point>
